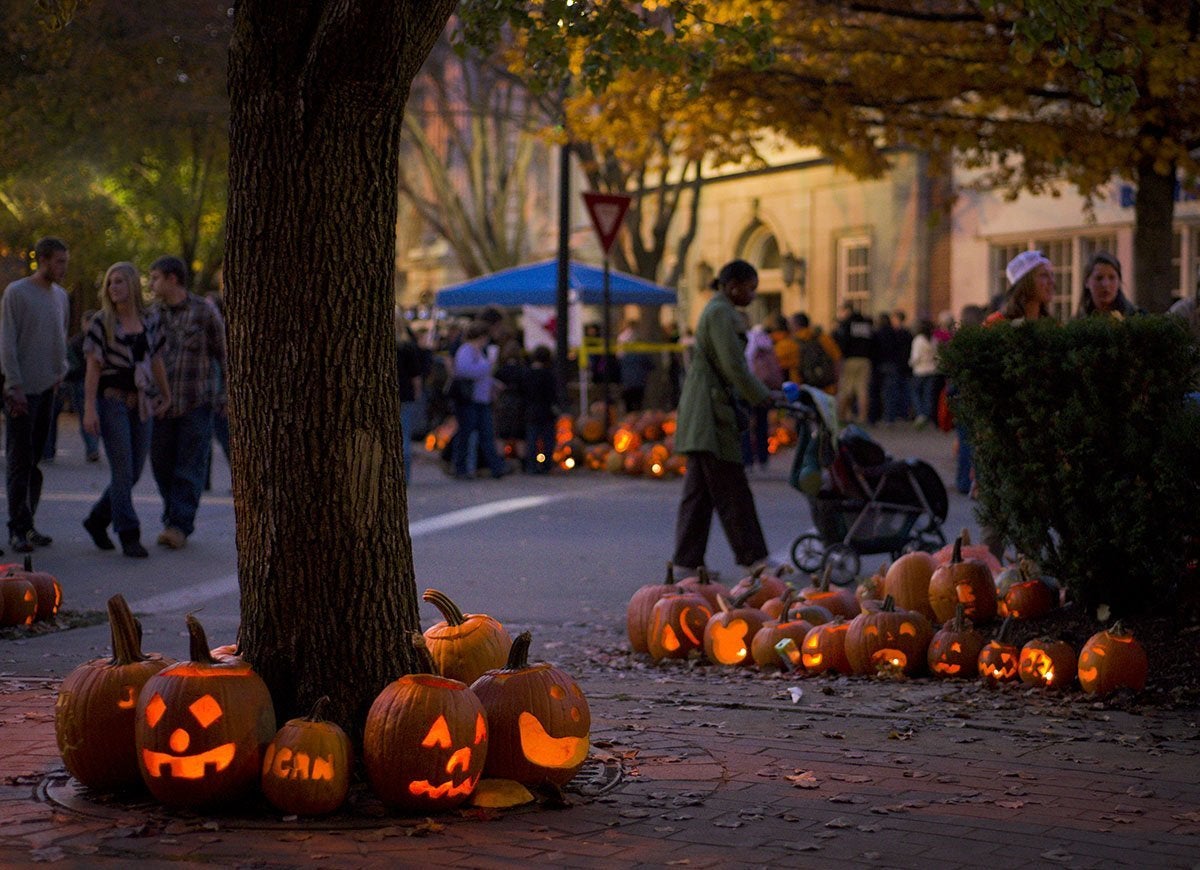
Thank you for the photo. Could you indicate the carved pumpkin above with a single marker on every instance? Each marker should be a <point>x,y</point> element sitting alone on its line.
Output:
<point>201,728</point>
<point>764,649</point>
<point>1110,660</point>
<point>774,608</point>
<point>811,613</point>
<point>676,626</point>
<point>426,741</point>
<point>980,552</point>
<point>625,438</point>
<point>729,633</point>
<point>18,601</point>
<point>824,648</point>
<point>1022,594</point>
<point>766,586</point>
<point>968,581</point>
<point>538,718</point>
<point>641,603</point>
<point>839,602</point>
<point>1047,663</point>
<point>888,640</point>
<point>908,582</point>
<point>306,767</point>
<point>97,705</point>
<point>463,646</point>
<point>999,660</point>
<point>704,584</point>
<point>954,650</point>
<point>46,587</point>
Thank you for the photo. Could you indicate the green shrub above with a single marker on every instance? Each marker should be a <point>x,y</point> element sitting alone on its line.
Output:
<point>1087,453</point>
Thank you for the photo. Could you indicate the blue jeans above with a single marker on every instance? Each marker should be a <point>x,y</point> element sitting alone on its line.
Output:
<point>475,417</point>
<point>966,458</point>
<point>126,443</point>
<point>892,388</point>
<point>179,450</point>
<point>926,403</point>
<point>25,444</point>
<point>409,415</point>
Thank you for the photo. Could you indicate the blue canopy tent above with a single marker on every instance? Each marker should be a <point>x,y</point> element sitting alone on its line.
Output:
<point>537,284</point>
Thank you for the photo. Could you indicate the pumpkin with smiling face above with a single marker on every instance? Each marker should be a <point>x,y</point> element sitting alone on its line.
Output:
<point>426,741</point>
<point>201,728</point>
<point>538,718</point>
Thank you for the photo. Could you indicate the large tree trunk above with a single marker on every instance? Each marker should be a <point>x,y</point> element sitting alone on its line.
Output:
<point>317,90</point>
<point>1155,279</point>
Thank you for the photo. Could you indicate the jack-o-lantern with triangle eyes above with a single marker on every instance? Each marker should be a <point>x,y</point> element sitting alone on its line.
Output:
<point>201,728</point>
<point>538,718</point>
<point>425,742</point>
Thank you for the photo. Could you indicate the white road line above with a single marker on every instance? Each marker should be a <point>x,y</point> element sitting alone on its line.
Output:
<point>89,497</point>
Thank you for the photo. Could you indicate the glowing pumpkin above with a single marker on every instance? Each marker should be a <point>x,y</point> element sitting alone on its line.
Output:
<point>45,586</point>
<point>676,625</point>
<point>954,650</point>
<point>538,718</point>
<point>201,728</point>
<point>824,648</point>
<point>426,741</point>
<point>1022,594</point>
<point>999,660</point>
<point>641,603</point>
<point>729,633</point>
<point>18,601</point>
<point>463,646</point>
<point>1047,663</point>
<point>306,766</point>
<point>1110,660</point>
<point>764,647</point>
<point>888,640</point>
<point>97,705</point>
<point>965,581</point>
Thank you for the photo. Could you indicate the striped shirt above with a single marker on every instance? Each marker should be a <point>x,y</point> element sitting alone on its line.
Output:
<point>193,336</point>
<point>118,357</point>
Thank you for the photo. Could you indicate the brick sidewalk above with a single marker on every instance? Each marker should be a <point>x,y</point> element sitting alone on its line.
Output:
<point>715,772</point>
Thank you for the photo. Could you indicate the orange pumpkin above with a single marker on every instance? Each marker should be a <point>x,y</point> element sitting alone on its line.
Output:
<point>764,648</point>
<point>676,625</point>
<point>591,428</point>
<point>46,586</point>
<point>637,612</point>
<point>981,552</point>
<point>538,718</point>
<point>729,633</point>
<point>838,601</point>
<point>18,601</point>
<point>306,766</point>
<point>888,639</point>
<point>999,660</point>
<point>704,584</point>
<point>1047,663</point>
<point>968,581</point>
<point>765,586</point>
<point>96,708</point>
<point>954,650</point>
<point>907,580</point>
<point>824,648</point>
<point>463,646</point>
<point>1112,659</point>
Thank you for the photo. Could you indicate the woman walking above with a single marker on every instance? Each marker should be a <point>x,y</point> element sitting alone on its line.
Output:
<point>122,349</point>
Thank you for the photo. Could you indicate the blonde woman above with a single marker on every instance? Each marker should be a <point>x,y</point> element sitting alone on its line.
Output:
<point>1031,289</point>
<point>122,349</point>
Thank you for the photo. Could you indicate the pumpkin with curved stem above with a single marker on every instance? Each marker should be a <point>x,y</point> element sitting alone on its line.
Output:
<point>18,601</point>
<point>463,646</point>
<point>676,626</point>
<point>980,552</point>
<point>824,648</point>
<point>1047,663</point>
<point>641,604</point>
<point>888,640</point>
<point>954,650</point>
<point>306,767</point>
<point>426,740</point>
<point>968,581</point>
<point>1112,659</point>
<point>201,728</point>
<point>774,608</point>
<point>538,718</point>
<point>704,584</point>
<point>45,585</point>
<point>907,580</point>
<point>96,708</point>
<point>838,601</point>
<point>999,660</point>
<point>766,586</point>
<point>730,631</point>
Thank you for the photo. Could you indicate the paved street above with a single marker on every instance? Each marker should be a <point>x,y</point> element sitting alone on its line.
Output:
<point>691,766</point>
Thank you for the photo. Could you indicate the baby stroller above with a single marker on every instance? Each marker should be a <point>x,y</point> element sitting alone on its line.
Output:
<point>862,501</point>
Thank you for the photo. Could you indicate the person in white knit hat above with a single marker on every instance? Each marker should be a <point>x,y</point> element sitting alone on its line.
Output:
<point>1030,291</point>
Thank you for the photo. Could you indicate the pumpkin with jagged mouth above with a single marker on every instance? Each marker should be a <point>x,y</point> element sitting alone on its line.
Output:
<point>538,718</point>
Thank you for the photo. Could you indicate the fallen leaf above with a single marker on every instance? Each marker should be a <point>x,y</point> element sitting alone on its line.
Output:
<point>1010,805</point>
<point>839,822</point>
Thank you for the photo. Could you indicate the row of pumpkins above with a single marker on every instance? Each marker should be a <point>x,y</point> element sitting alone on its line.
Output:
<point>202,732</point>
<point>764,621</point>
<point>27,596</point>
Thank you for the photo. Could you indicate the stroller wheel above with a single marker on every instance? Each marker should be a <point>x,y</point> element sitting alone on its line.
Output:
<point>844,564</point>
<point>808,553</point>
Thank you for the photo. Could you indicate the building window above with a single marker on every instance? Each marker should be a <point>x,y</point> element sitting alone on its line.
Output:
<point>854,271</point>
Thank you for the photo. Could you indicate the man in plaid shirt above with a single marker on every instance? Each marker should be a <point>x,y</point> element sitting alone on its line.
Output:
<point>194,342</point>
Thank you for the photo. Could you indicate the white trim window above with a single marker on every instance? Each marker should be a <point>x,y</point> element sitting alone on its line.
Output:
<point>854,271</point>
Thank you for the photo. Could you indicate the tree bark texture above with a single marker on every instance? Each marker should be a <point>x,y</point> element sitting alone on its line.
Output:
<point>317,91</point>
<point>1155,279</point>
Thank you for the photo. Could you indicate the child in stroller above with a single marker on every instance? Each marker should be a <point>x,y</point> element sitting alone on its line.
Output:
<point>862,500</point>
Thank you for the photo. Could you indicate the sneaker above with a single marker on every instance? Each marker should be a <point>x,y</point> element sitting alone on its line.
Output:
<point>38,539</point>
<point>20,544</point>
<point>172,538</point>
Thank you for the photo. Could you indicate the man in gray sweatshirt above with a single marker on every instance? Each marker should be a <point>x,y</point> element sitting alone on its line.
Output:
<point>34,313</point>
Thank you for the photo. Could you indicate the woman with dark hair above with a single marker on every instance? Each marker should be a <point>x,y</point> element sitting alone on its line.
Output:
<point>1102,291</point>
<point>708,429</point>
<point>1030,292</point>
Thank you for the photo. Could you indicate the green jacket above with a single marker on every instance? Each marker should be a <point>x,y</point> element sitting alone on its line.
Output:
<point>706,419</point>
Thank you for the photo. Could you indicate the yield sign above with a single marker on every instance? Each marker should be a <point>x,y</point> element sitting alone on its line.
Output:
<point>607,211</point>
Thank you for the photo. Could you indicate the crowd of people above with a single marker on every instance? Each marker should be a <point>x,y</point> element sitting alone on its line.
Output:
<point>148,382</point>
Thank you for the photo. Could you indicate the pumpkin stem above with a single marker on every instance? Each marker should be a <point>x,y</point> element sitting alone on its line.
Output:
<point>704,575</point>
<point>749,592</point>
<point>317,714</point>
<point>889,605</point>
<point>425,661</point>
<point>965,534</point>
<point>960,617</point>
<point>670,581</point>
<point>956,555</point>
<point>786,599</point>
<point>1003,631</point>
<point>518,653</point>
<point>450,610</point>
<point>198,642</point>
<point>823,585</point>
<point>126,636</point>
<point>723,603</point>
